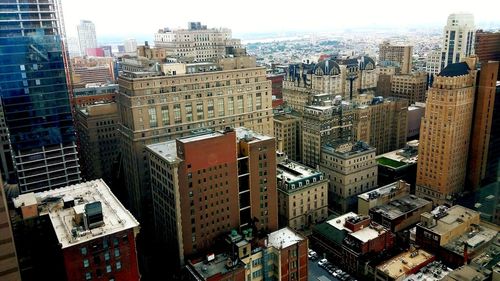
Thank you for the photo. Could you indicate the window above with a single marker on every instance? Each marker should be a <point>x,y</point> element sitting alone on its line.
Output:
<point>83,250</point>
<point>230,105</point>
<point>115,241</point>
<point>249,103</point>
<point>108,268</point>
<point>86,263</point>
<point>199,110</point>
<point>153,123</point>
<point>106,256</point>
<point>118,265</point>
<point>117,252</point>
<point>240,104</point>
<point>177,113</point>
<point>189,112</point>
<point>165,118</point>
<point>210,108</point>
<point>88,276</point>
<point>221,107</point>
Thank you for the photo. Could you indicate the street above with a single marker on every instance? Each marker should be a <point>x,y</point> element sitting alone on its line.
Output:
<point>315,272</point>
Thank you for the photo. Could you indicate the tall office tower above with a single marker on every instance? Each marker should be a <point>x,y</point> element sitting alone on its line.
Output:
<point>288,134</point>
<point>325,123</point>
<point>411,87</point>
<point>197,42</point>
<point>396,55</point>
<point>155,108</point>
<point>487,46</point>
<point>78,232</point>
<point>130,46</point>
<point>481,125</point>
<point>433,62</point>
<point>458,41</point>
<point>97,127</point>
<point>9,267</point>
<point>388,124</point>
<point>86,36</point>
<point>445,133</point>
<point>198,199</point>
<point>73,47</point>
<point>34,91</point>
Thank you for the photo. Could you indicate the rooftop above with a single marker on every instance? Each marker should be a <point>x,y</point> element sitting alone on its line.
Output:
<point>381,191</point>
<point>368,233</point>
<point>221,264</point>
<point>68,205</point>
<point>434,271</point>
<point>166,150</point>
<point>405,263</point>
<point>475,240</point>
<point>348,150</point>
<point>467,273</point>
<point>290,172</point>
<point>455,69</point>
<point>399,207</point>
<point>448,219</point>
<point>283,238</point>
<point>250,136</point>
<point>339,222</point>
<point>401,157</point>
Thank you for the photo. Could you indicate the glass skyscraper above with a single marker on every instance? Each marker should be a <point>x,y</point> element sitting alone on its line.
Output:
<point>34,95</point>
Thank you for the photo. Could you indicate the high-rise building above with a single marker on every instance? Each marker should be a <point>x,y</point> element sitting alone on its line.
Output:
<point>86,36</point>
<point>35,97</point>
<point>445,133</point>
<point>433,62</point>
<point>487,46</point>
<point>79,232</point>
<point>351,170</point>
<point>458,39</point>
<point>481,125</point>
<point>9,267</point>
<point>198,199</point>
<point>130,45</point>
<point>192,42</point>
<point>97,127</point>
<point>302,195</point>
<point>411,87</point>
<point>288,134</point>
<point>396,55</point>
<point>155,108</point>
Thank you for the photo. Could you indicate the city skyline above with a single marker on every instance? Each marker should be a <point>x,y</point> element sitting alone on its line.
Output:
<point>368,15</point>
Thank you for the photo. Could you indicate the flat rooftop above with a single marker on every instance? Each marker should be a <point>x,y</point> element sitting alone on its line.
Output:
<point>475,239</point>
<point>434,271</point>
<point>400,157</point>
<point>451,218</point>
<point>379,192</point>
<point>217,266</point>
<point>466,273</point>
<point>339,222</point>
<point>399,207</point>
<point>368,233</point>
<point>250,136</point>
<point>348,150</point>
<point>284,117</point>
<point>283,238</point>
<point>292,171</point>
<point>166,150</point>
<point>115,217</point>
<point>405,263</point>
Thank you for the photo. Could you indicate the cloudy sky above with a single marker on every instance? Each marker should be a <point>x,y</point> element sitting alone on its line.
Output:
<point>129,19</point>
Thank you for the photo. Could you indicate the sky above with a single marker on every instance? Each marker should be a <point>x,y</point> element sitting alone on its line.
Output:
<point>141,19</point>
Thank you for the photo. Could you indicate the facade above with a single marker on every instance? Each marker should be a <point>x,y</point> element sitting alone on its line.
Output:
<point>36,103</point>
<point>9,267</point>
<point>130,46</point>
<point>86,36</point>
<point>410,86</point>
<point>433,62</point>
<point>400,214</point>
<point>458,39</point>
<point>388,124</point>
<point>288,133</point>
<point>192,42</point>
<point>97,127</point>
<point>415,113</point>
<point>445,134</point>
<point>399,56</point>
<point>155,108</point>
<point>94,234</point>
<point>83,76</point>
<point>193,197</point>
<point>381,196</point>
<point>302,195</point>
<point>398,165</point>
<point>351,170</point>
<point>484,105</point>
<point>487,46</point>
<point>276,84</point>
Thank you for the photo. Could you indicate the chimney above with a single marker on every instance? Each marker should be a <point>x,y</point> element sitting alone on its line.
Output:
<point>466,255</point>
<point>280,145</point>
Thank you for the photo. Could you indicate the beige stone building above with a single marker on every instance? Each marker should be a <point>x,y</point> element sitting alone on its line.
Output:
<point>197,42</point>
<point>351,169</point>
<point>409,86</point>
<point>97,127</point>
<point>382,195</point>
<point>288,134</point>
<point>445,134</point>
<point>302,195</point>
<point>388,124</point>
<point>156,108</point>
<point>400,56</point>
<point>296,97</point>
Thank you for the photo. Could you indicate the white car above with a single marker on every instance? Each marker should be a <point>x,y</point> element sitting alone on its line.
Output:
<point>322,262</point>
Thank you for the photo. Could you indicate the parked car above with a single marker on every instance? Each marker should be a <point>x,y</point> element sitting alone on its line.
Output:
<point>322,262</point>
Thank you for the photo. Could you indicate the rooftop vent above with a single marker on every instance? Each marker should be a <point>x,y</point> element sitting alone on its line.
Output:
<point>93,214</point>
